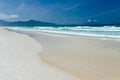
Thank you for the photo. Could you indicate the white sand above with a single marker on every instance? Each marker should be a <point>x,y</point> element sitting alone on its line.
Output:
<point>19,60</point>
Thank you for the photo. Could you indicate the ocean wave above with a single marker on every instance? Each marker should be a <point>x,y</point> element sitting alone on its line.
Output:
<point>105,31</point>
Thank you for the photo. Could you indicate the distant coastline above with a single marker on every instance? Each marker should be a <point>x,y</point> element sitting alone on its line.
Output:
<point>32,23</point>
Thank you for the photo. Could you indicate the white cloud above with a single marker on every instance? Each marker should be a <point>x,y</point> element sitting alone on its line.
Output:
<point>89,20</point>
<point>72,7</point>
<point>8,17</point>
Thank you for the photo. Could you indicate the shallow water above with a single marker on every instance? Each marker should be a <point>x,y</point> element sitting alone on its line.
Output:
<point>104,31</point>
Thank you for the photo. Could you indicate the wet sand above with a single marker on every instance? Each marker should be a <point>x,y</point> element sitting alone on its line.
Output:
<point>84,57</point>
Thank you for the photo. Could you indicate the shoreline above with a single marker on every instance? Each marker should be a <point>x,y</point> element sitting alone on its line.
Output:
<point>65,35</point>
<point>99,61</point>
<point>101,36</point>
<point>84,57</point>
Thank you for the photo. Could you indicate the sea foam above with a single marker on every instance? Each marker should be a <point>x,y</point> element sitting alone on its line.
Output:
<point>103,32</point>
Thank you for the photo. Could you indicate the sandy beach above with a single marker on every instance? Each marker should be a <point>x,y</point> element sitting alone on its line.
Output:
<point>58,57</point>
<point>19,59</point>
<point>84,57</point>
<point>59,39</point>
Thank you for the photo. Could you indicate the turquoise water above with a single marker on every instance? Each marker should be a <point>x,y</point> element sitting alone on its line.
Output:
<point>105,31</point>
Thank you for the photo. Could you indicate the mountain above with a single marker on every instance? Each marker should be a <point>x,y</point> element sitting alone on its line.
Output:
<point>33,23</point>
<point>26,23</point>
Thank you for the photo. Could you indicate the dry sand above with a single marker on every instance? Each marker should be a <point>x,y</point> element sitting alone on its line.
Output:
<point>19,60</point>
<point>84,57</point>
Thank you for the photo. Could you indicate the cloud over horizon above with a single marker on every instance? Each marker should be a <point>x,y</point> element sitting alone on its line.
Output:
<point>8,17</point>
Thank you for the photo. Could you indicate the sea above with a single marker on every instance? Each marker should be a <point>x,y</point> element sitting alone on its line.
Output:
<point>108,32</point>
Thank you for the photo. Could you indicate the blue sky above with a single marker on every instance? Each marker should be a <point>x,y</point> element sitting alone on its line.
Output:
<point>61,11</point>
